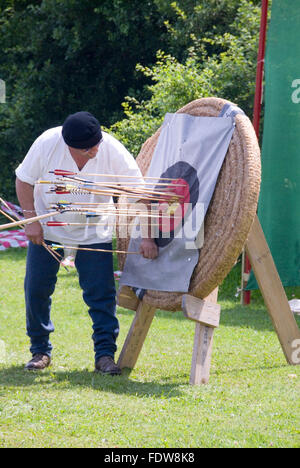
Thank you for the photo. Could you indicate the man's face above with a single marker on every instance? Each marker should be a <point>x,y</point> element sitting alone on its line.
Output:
<point>89,153</point>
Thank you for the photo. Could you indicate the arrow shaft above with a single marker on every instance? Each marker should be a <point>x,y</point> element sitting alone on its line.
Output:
<point>27,221</point>
<point>59,172</point>
<point>58,246</point>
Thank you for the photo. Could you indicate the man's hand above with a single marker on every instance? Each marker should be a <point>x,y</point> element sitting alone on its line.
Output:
<point>25,193</point>
<point>149,249</point>
<point>34,233</point>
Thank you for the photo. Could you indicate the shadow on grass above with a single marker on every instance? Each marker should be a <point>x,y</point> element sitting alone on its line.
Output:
<point>252,318</point>
<point>50,380</point>
<point>246,369</point>
<point>16,376</point>
<point>237,316</point>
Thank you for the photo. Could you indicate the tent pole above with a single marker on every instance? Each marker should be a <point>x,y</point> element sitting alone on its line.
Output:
<point>246,295</point>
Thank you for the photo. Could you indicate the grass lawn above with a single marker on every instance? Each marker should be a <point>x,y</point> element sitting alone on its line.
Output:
<point>252,399</point>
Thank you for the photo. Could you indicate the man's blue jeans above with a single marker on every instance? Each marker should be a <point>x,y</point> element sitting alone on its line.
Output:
<point>96,278</point>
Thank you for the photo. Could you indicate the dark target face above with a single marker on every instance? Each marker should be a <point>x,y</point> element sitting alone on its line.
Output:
<point>183,194</point>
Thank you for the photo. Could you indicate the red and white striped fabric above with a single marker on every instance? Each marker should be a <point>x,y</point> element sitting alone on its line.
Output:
<point>13,210</point>
<point>13,238</point>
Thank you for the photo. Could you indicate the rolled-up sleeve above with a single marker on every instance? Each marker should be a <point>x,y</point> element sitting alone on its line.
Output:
<point>30,170</point>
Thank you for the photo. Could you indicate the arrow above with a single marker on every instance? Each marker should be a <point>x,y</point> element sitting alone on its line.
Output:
<point>27,221</point>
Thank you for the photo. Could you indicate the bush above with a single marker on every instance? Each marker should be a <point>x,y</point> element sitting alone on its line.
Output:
<point>229,74</point>
<point>61,56</point>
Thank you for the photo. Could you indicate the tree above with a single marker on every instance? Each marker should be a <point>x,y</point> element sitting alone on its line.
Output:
<point>61,56</point>
<point>228,73</point>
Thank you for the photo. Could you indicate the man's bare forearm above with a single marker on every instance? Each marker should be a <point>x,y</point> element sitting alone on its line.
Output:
<point>25,194</point>
<point>148,247</point>
<point>26,198</point>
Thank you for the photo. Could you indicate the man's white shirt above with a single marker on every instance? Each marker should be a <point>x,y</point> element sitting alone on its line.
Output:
<point>48,153</point>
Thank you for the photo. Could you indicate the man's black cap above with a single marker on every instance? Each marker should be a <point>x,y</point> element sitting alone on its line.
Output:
<point>81,130</point>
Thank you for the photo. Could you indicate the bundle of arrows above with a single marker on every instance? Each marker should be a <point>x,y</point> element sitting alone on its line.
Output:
<point>55,255</point>
<point>70,183</point>
<point>151,190</point>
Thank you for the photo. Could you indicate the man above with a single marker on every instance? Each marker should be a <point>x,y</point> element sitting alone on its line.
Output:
<point>79,146</point>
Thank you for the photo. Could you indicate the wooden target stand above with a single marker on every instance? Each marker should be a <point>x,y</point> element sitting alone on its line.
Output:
<point>206,313</point>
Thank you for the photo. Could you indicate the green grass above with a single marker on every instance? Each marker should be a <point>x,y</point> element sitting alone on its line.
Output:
<point>252,399</point>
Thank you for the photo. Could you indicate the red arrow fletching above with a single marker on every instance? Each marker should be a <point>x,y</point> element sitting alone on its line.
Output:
<point>56,223</point>
<point>60,172</point>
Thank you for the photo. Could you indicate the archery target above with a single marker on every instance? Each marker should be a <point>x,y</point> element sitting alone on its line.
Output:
<point>231,212</point>
<point>183,194</point>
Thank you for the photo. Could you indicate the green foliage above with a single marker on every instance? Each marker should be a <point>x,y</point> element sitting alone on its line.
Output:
<point>188,21</point>
<point>229,74</point>
<point>174,84</point>
<point>61,56</point>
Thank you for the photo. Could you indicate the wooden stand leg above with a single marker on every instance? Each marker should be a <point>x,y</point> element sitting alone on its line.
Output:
<point>206,314</point>
<point>202,353</point>
<point>136,336</point>
<point>273,292</point>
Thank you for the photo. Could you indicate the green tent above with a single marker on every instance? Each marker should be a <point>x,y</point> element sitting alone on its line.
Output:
<point>279,203</point>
